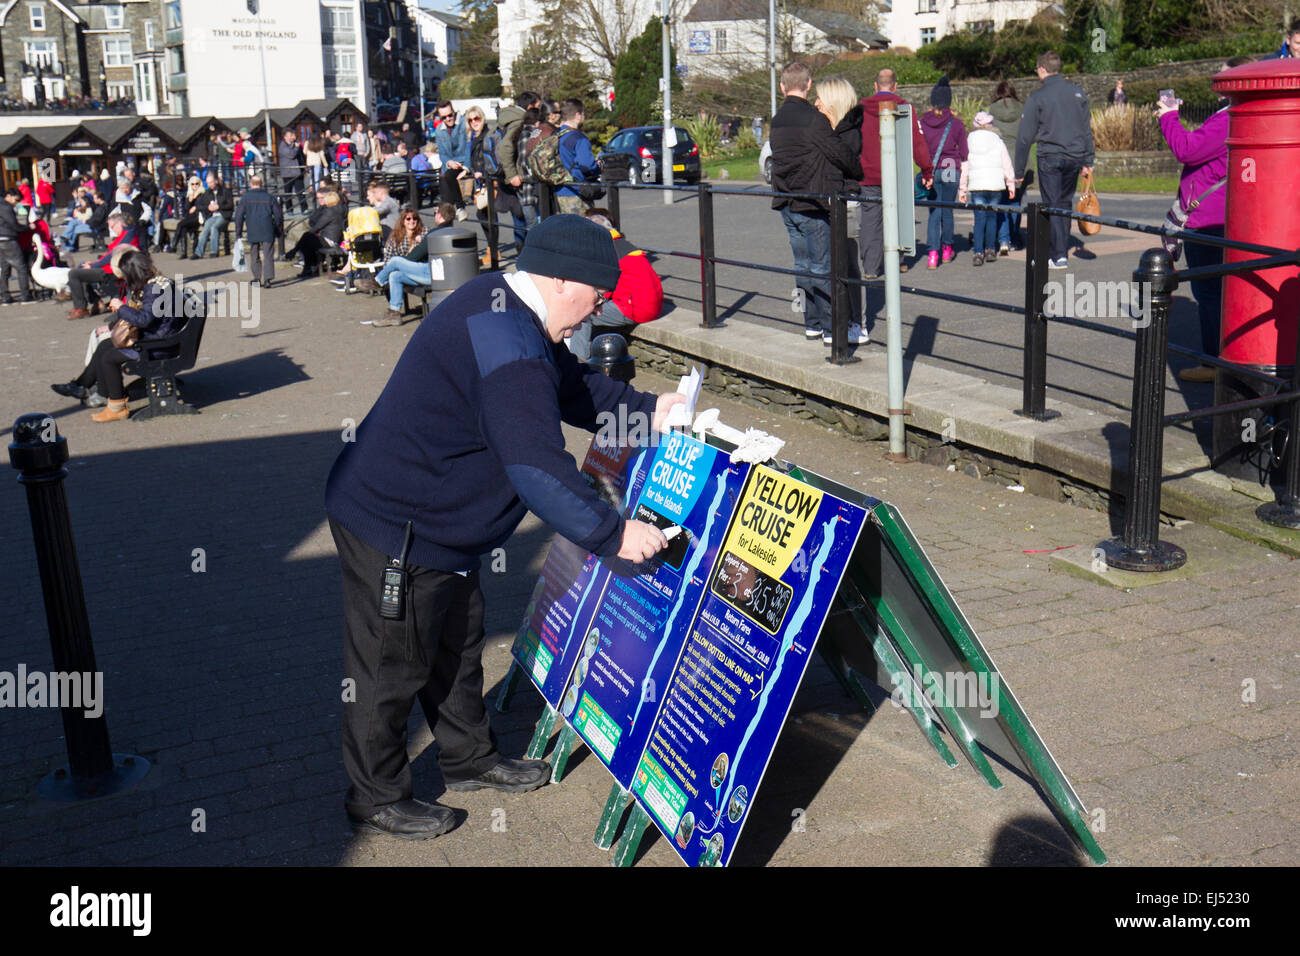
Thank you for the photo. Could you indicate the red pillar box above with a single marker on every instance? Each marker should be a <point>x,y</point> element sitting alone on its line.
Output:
<point>1260,309</point>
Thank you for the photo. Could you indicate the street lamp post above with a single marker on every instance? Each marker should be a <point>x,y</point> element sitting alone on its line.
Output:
<point>669,136</point>
<point>253,6</point>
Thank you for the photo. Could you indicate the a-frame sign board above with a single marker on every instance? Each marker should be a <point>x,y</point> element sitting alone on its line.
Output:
<point>679,676</point>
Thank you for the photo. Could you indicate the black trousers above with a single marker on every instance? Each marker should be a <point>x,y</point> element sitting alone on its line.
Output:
<point>293,187</point>
<point>1058,176</point>
<point>449,187</point>
<point>435,654</point>
<point>11,259</point>
<point>83,283</point>
<point>105,371</point>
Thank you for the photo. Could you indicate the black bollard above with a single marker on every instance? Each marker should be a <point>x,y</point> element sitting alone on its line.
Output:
<point>1285,511</point>
<point>39,452</point>
<point>609,356</point>
<point>708,270</point>
<point>1140,548</point>
<point>1034,374</point>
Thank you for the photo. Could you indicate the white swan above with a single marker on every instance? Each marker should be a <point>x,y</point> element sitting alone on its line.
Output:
<point>53,278</point>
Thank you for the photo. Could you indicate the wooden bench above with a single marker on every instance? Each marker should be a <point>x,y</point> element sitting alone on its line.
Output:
<point>161,359</point>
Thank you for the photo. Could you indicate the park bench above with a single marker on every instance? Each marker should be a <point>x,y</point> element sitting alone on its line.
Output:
<point>161,359</point>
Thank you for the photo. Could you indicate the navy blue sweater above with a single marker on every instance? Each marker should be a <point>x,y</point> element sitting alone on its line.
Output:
<point>466,437</point>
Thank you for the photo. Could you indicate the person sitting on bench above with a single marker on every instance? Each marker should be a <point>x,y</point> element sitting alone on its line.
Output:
<point>150,312</point>
<point>412,268</point>
<point>84,282</point>
<point>324,231</point>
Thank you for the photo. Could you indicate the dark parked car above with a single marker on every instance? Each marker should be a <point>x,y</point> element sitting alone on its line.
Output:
<point>635,156</point>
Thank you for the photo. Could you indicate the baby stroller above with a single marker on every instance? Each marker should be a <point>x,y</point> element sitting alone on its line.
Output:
<point>364,241</point>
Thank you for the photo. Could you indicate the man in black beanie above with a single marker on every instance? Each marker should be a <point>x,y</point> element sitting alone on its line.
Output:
<point>465,439</point>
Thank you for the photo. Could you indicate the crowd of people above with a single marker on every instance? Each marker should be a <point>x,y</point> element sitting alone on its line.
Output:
<point>68,104</point>
<point>824,140</point>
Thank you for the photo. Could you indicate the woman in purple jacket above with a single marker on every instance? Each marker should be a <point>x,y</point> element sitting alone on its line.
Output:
<point>1202,193</point>
<point>945,138</point>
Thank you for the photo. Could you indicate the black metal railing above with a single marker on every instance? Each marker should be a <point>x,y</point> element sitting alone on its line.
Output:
<point>1139,548</point>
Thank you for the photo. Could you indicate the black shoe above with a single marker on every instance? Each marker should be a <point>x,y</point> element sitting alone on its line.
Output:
<point>409,820</point>
<point>512,776</point>
<point>6,301</point>
<point>70,390</point>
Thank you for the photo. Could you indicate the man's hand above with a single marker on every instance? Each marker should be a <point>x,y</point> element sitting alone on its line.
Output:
<point>516,181</point>
<point>927,182</point>
<point>641,541</point>
<point>452,164</point>
<point>663,405</point>
<point>1011,191</point>
<point>115,303</point>
<point>212,207</point>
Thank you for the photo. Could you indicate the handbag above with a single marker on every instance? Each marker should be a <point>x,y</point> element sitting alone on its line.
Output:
<point>1176,218</point>
<point>124,334</point>
<point>1089,206</point>
<point>481,198</point>
<point>919,191</point>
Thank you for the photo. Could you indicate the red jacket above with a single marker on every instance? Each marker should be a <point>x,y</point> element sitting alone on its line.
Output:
<point>105,262</point>
<point>871,138</point>
<point>26,192</point>
<point>639,294</point>
<point>45,192</point>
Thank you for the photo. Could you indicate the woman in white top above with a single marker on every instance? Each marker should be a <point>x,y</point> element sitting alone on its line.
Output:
<point>985,173</point>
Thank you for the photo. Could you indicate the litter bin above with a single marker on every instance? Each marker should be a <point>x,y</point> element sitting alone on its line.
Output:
<point>1258,324</point>
<point>609,356</point>
<point>453,261</point>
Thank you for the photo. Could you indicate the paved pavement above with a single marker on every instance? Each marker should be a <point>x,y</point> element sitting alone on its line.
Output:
<point>228,679</point>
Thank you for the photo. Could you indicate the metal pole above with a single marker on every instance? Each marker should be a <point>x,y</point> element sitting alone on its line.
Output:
<point>615,206</point>
<point>494,255</point>
<point>708,282</point>
<point>1140,548</point>
<point>893,295</point>
<point>1285,512</point>
<point>771,54</point>
<point>419,48</point>
<point>668,113</point>
<point>838,291</point>
<point>1034,371</point>
<point>266,96</point>
<point>39,452</point>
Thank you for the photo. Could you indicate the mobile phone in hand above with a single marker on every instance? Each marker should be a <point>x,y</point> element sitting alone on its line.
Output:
<point>1167,99</point>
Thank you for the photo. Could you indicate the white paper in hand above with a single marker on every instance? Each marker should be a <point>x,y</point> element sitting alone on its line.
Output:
<point>684,413</point>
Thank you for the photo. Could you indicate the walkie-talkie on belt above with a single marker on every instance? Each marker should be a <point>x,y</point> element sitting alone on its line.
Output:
<point>392,595</point>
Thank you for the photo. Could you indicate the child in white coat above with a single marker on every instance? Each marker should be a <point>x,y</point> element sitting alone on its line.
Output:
<point>986,172</point>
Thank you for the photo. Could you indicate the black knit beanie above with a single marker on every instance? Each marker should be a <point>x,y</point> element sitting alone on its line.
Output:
<point>571,247</point>
<point>941,95</point>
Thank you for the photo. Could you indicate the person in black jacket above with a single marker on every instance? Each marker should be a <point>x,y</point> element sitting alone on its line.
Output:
<point>1057,118</point>
<point>215,207</point>
<point>324,229</point>
<point>11,254</point>
<point>807,157</point>
<point>838,102</point>
<point>265,221</point>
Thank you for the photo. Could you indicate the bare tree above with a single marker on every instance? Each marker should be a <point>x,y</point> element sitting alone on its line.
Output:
<point>602,29</point>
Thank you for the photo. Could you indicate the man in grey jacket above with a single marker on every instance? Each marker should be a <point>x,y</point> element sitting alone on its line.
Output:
<point>292,165</point>
<point>1057,118</point>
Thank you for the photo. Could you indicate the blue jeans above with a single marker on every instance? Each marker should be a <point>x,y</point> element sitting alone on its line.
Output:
<point>1009,223</point>
<point>810,241</point>
<point>72,230</point>
<point>939,228</point>
<point>399,273</point>
<point>211,231</point>
<point>523,225</point>
<point>986,221</point>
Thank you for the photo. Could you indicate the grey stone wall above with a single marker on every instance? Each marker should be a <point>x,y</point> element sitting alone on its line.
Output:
<point>1152,163</point>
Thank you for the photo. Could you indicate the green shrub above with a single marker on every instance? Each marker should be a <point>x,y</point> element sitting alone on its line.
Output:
<point>706,132</point>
